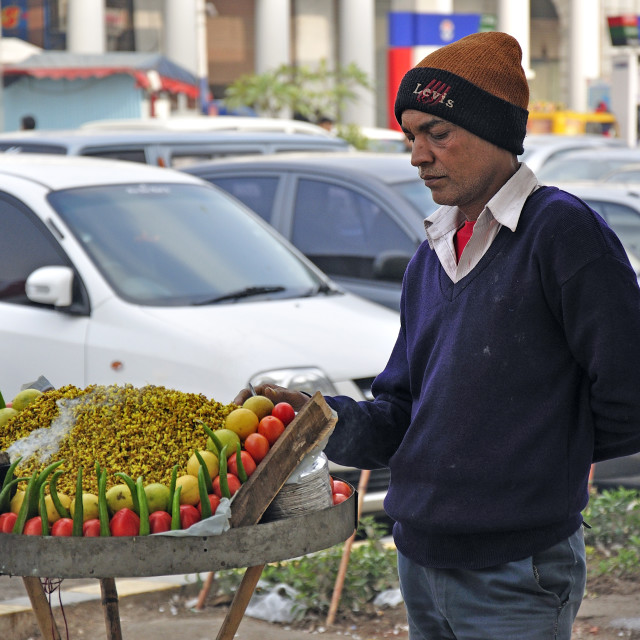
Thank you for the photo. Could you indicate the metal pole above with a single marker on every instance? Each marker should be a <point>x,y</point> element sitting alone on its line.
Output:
<point>203,59</point>
<point>2,125</point>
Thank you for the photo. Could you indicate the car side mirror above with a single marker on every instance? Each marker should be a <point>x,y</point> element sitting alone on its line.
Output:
<point>51,285</point>
<point>390,265</point>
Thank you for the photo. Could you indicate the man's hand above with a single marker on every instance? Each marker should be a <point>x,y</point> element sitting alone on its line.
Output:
<point>276,394</point>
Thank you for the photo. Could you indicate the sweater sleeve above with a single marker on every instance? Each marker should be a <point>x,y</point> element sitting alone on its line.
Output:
<point>599,302</point>
<point>602,314</point>
<point>368,433</point>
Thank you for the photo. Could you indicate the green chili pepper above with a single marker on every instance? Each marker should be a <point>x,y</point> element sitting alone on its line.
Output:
<point>132,488</point>
<point>23,513</point>
<point>60,508</point>
<point>172,484</point>
<point>43,511</point>
<point>78,507</point>
<point>5,494</point>
<point>175,510</point>
<point>205,470</point>
<point>144,508</point>
<point>214,438</point>
<point>103,511</point>
<point>41,479</point>
<point>224,485</point>
<point>205,505</point>
<point>242,474</point>
<point>10,471</point>
<point>2,402</point>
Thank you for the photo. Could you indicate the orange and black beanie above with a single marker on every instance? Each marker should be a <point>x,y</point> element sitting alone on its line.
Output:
<point>477,83</point>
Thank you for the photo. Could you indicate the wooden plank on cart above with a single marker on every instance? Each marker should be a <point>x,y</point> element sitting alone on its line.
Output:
<point>313,423</point>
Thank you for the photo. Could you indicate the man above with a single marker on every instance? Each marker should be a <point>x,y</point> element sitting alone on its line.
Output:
<point>516,366</point>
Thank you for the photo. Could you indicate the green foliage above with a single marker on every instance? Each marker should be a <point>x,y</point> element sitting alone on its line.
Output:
<point>614,537</point>
<point>321,91</point>
<point>372,569</point>
<point>353,135</point>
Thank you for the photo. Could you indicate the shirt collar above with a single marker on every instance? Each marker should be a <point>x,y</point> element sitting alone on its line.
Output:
<point>505,206</point>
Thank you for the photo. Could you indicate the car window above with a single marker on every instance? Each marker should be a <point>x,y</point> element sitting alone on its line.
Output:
<point>343,231</point>
<point>35,147</point>
<point>417,194</point>
<point>25,245</point>
<point>132,155</point>
<point>258,193</point>
<point>624,220</point>
<point>181,159</point>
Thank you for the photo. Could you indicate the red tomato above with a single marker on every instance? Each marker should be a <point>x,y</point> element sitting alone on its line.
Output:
<point>257,446</point>
<point>188,515</point>
<point>339,497</point>
<point>125,522</point>
<point>33,526</point>
<point>214,501</point>
<point>159,521</point>
<point>7,520</point>
<point>284,411</point>
<point>62,527</point>
<point>247,462</point>
<point>233,482</point>
<point>271,428</point>
<point>341,487</point>
<point>91,528</point>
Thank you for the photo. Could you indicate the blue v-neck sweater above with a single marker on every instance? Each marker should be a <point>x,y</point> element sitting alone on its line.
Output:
<point>502,389</point>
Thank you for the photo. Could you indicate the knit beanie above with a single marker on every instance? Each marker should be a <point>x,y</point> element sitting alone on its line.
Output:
<point>477,83</point>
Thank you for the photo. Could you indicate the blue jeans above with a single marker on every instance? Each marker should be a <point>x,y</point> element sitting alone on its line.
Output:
<point>532,599</point>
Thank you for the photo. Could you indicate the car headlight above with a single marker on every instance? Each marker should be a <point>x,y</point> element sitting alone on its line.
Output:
<point>309,379</point>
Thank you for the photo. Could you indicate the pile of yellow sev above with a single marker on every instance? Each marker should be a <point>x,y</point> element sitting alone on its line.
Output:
<point>139,431</point>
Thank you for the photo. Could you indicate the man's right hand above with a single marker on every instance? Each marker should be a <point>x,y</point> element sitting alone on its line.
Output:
<point>276,394</point>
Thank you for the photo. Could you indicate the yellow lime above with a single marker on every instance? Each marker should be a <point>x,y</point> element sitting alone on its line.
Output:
<point>16,501</point>
<point>89,506</point>
<point>210,460</point>
<point>243,421</point>
<point>52,512</point>
<point>189,494</point>
<point>6,414</point>
<point>118,497</point>
<point>228,437</point>
<point>260,405</point>
<point>25,398</point>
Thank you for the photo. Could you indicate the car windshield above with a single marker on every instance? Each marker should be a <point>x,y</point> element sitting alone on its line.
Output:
<point>418,195</point>
<point>177,244</point>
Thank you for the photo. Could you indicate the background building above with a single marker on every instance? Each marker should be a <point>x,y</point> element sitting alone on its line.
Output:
<point>568,53</point>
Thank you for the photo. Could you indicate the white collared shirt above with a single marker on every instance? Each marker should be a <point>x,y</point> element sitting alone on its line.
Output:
<point>502,210</point>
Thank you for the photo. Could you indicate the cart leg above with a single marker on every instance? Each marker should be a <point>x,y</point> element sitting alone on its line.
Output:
<point>239,604</point>
<point>110,606</point>
<point>41,608</point>
<point>204,592</point>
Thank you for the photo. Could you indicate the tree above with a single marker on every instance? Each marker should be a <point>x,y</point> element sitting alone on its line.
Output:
<point>312,93</point>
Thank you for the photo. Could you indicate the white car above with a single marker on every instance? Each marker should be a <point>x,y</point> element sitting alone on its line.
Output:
<point>541,148</point>
<point>210,123</point>
<point>116,272</point>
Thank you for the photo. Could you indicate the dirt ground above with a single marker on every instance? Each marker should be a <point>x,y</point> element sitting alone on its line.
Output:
<point>171,614</point>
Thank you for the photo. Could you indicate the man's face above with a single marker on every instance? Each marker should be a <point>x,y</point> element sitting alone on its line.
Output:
<point>459,167</point>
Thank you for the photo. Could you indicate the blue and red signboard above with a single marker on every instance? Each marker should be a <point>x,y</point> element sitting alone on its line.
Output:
<point>14,19</point>
<point>412,36</point>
